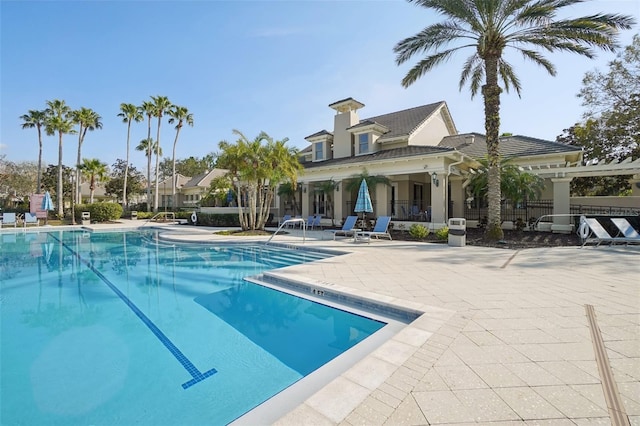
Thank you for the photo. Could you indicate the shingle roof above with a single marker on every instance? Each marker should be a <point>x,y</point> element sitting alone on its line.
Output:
<point>204,179</point>
<point>474,145</point>
<point>320,133</point>
<point>407,151</point>
<point>403,123</point>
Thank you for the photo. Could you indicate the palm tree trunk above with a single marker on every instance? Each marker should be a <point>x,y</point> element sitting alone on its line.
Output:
<point>76,187</point>
<point>173,171</point>
<point>38,189</point>
<point>60,189</point>
<point>149,153</point>
<point>126,170</point>
<point>491,93</point>
<point>157,185</point>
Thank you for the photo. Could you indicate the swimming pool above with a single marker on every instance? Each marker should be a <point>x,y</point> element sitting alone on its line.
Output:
<point>121,328</point>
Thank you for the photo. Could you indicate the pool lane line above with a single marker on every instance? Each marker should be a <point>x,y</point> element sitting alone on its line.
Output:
<point>196,374</point>
<point>617,413</point>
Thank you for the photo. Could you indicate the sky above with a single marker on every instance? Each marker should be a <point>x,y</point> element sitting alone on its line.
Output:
<point>271,66</point>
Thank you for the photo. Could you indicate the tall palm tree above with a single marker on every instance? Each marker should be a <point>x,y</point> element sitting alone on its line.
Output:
<point>86,119</point>
<point>129,113</point>
<point>161,105</point>
<point>181,115</point>
<point>37,119</point>
<point>97,172</point>
<point>489,27</point>
<point>59,121</point>
<point>149,147</point>
<point>147,109</point>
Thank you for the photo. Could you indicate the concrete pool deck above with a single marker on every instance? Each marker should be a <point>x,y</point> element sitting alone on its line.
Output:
<point>508,337</point>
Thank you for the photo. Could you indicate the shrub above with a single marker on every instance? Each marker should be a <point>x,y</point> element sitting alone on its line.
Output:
<point>418,231</point>
<point>442,233</point>
<point>100,212</point>
<point>211,219</point>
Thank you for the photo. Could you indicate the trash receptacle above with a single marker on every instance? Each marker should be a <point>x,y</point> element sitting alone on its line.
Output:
<point>134,215</point>
<point>86,218</point>
<point>457,232</point>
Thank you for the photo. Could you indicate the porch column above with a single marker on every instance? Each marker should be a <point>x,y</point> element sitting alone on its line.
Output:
<point>383,195</point>
<point>457,196</point>
<point>438,181</point>
<point>635,190</point>
<point>305,210</point>
<point>561,203</point>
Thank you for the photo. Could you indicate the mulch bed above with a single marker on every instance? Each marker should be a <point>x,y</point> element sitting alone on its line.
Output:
<point>512,239</point>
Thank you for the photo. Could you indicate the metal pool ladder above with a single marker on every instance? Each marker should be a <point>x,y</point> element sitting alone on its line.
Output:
<point>288,221</point>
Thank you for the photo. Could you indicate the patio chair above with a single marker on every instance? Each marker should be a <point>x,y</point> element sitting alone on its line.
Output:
<point>314,222</point>
<point>591,231</point>
<point>285,218</point>
<point>30,219</point>
<point>626,229</point>
<point>8,219</point>
<point>380,230</point>
<point>347,230</point>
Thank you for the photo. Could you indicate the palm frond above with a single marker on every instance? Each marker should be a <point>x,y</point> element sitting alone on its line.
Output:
<point>539,59</point>
<point>426,65</point>
<point>469,68</point>
<point>429,39</point>
<point>508,76</point>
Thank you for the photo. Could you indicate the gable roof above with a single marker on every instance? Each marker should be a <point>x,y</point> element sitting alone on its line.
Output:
<point>475,145</point>
<point>204,179</point>
<point>320,133</point>
<point>405,122</point>
<point>407,151</point>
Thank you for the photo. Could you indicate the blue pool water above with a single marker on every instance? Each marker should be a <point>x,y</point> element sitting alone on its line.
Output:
<point>121,328</point>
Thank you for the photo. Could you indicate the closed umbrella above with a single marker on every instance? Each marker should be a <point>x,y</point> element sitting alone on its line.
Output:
<point>47,205</point>
<point>363,202</point>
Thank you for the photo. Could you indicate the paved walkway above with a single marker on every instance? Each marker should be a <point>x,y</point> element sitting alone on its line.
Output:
<point>506,337</point>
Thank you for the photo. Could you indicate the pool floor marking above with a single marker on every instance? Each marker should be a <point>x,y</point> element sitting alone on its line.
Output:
<point>197,375</point>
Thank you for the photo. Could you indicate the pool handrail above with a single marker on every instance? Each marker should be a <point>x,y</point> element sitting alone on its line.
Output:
<point>172,214</point>
<point>292,220</point>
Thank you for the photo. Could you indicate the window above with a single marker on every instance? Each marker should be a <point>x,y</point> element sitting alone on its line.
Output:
<point>363,143</point>
<point>318,146</point>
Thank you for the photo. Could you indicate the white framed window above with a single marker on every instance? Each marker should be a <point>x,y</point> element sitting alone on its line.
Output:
<point>319,152</point>
<point>363,143</point>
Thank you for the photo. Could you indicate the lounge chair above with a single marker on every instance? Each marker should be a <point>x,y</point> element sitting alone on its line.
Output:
<point>285,218</point>
<point>314,222</point>
<point>347,228</point>
<point>30,219</point>
<point>591,231</point>
<point>626,229</point>
<point>8,219</point>
<point>380,230</point>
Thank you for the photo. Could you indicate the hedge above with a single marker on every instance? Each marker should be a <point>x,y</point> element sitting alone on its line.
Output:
<point>211,219</point>
<point>100,212</point>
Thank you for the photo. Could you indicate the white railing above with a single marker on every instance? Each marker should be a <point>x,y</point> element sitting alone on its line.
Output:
<point>166,215</point>
<point>288,221</point>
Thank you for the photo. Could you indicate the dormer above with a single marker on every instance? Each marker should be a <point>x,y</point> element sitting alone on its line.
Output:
<point>321,145</point>
<point>346,116</point>
<point>365,135</point>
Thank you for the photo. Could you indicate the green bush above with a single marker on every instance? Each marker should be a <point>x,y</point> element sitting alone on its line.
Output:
<point>100,212</point>
<point>443,233</point>
<point>418,231</point>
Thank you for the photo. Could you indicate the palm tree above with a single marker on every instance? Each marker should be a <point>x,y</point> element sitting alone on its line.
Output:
<point>147,109</point>
<point>97,172</point>
<point>36,119</point>
<point>489,27</point>
<point>161,105</point>
<point>87,119</point>
<point>181,115</point>
<point>149,147</point>
<point>257,167</point>
<point>59,121</point>
<point>129,113</point>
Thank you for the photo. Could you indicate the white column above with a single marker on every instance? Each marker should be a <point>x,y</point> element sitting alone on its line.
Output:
<point>338,203</point>
<point>457,196</point>
<point>305,209</point>
<point>383,195</point>
<point>438,199</point>
<point>561,203</point>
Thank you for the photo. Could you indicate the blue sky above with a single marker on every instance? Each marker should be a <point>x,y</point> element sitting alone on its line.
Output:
<point>252,66</point>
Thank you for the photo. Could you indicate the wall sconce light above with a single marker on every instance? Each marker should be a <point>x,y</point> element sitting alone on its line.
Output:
<point>304,189</point>
<point>338,187</point>
<point>434,178</point>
